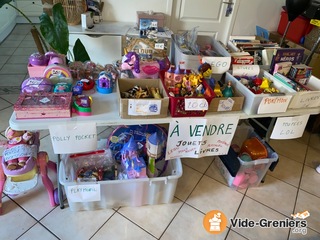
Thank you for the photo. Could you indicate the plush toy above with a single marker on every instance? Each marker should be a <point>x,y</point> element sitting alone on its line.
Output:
<point>15,138</point>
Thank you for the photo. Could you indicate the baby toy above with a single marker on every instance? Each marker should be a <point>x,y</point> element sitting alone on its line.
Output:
<point>16,138</point>
<point>22,162</point>
<point>139,69</point>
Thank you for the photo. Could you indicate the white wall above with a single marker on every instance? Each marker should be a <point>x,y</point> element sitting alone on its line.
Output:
<point>251,13</point>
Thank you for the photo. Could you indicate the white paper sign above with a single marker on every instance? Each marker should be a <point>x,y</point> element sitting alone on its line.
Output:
<point>225,105</point>
<point>289,127</point>
<point>195,104</point>
<point>307,99</point>
<point>73,138</point>
<point>199,137</point>
<point>245,70</point>
<point>274,104</point>
<point>84,193</point>
<point>218,64</point>
<point>143,107</point>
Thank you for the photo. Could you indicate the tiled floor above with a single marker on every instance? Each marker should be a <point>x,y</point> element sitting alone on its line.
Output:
<point>293,187</point>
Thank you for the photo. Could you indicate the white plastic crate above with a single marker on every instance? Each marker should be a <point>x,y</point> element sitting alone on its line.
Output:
<point>131,192</point>
<point>220,64</point>
<point>241,174</point>
<point>253,101</point>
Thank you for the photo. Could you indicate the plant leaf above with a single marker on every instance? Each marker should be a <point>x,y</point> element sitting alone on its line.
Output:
<point>55,32</point>
<point>3,2</point>
<point>79,52</point>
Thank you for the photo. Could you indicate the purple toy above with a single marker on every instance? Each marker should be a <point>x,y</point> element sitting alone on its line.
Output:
<point>36,84</point>
<point>140,69</point>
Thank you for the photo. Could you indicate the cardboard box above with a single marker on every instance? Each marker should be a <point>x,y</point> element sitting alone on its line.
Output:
<point>264,103</point>
<point>223,104</point>
<point>241,174</point>
<point>220,64</point>
<point>130,192</point>
<point>143,107</point>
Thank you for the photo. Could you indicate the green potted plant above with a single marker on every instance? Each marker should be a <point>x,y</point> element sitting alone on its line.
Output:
<point>54,32</point>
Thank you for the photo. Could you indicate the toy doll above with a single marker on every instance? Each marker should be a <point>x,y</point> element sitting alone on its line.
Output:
<point>15,138</point>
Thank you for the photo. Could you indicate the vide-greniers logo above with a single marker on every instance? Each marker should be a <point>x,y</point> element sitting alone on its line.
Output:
<point>215,222</point>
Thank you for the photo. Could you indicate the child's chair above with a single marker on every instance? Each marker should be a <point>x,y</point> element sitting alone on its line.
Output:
<point>22,162</point>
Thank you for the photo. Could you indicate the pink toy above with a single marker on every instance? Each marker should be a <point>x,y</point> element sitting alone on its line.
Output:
<point>22,162</point>
<point>140,69</point>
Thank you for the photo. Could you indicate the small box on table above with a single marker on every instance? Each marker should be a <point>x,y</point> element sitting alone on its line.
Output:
<point>143,107</point>
<point>43,105</point>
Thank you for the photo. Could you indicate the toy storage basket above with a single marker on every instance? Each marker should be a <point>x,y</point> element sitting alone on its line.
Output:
<point>177,104</point>
<point>73,10</point>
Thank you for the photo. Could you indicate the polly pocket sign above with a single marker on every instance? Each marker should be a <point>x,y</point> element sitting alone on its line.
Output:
<point>200,137</point>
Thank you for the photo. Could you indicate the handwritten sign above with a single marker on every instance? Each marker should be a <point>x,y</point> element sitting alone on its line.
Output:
<point>225,105</point>
<point>73,138</point>
<point>289,127</point>
<point>274,104</point>
<point>245,70</point>
<point>84,193</point>
<point>196,104</point>
<point>199,137</point>
<point>307,99</point>
<point>143,107</point>
<point>218,64</point>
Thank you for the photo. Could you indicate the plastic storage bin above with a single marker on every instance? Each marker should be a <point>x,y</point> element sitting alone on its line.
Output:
<point>253,101</point>
<point>242,174</point>
<point>132,192</point>
<point>219,64</point>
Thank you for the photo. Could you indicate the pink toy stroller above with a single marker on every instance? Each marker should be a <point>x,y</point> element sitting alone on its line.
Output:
<point>21,163</point>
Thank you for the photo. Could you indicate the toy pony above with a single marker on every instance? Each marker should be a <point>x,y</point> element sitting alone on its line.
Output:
<point>132,67</point>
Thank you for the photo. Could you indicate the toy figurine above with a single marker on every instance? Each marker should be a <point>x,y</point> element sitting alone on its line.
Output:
<point>217,90</point>
<point>228,91</point>
<point>139,69</point>
<point>77,89</point>
<point>16,138</point>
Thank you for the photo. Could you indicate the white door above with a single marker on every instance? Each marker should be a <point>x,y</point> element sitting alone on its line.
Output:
<point>213,17</point>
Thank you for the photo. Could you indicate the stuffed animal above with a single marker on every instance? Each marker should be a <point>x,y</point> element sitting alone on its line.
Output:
<point>15,138</point>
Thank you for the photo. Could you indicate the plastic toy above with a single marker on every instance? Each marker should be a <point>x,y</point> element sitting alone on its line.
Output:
<point>121,135</point>
<point>22,162</point>
<point>228,91</point>
<point>77,89</point>
<point>133,165</point>
<point>38,59</point>
<point>154,150</point>
<point>62,87</point>
<point>104,84</point>
<point>36,84</point>
<point>82,105</point>
<point>254,148</point>
<point>139,69</point>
